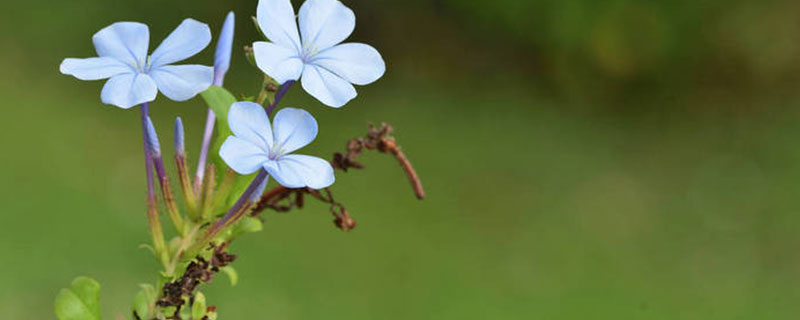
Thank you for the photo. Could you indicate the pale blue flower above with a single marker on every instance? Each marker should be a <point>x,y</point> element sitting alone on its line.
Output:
<point>329,69</point>
<point>256,145</point>
<point>135,77</point>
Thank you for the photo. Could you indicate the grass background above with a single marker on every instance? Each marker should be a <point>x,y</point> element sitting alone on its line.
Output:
<point>583,160</point>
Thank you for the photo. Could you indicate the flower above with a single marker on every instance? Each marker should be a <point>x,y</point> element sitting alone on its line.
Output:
<point>255,145</point>
<point>329,69</point>
<point>135,77</point>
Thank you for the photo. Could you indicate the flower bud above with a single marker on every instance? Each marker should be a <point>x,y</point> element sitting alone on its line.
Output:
<point>222,57</point>
<point>180,148</point>
<point>152,139</point>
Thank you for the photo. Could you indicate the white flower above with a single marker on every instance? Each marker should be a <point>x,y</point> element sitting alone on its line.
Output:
<point>257,145</point>
<point>328,69</point>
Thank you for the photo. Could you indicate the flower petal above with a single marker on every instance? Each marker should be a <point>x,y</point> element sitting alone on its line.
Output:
<point>129,89</point>
<point>293,129</point>
<point>242,156</point>
<point>327,87</point>
<point>325,23</point>
<point>298,171</point>
<point>93,68</point>
<point>182,82</point>
<point>125,41</point>
<point>280,63</point>
<point>222,56</point>
<point>189,38</point>
<point>357,63</point>
<point>277,22</point>
<point>249,121</point>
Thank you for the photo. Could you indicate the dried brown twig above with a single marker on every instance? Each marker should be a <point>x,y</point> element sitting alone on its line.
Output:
<point>198,272</point>
<point>379,139</point>
<point>283,199</point>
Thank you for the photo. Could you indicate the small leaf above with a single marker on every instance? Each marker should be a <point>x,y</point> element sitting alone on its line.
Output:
<point>185,313</point>
<point>247,225</point>
<point>81,301</point>
<point>199,306</point>
<point>232,274</point>
<point>166,311</point>
<point>144,302</point>
<point>148,247</point>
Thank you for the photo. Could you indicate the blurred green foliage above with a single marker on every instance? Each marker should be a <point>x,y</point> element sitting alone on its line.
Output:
<point>583,159</point>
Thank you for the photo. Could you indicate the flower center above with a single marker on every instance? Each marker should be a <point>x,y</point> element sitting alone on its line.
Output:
<point>141,67</point>
<point>275,152</point>
<point>309,51</point>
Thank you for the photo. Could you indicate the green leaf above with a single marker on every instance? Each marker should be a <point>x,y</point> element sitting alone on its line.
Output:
<point>185,312</point>
<point>199,306</point>
<point>144,302</point>
<point>81,301</point>
<point>247,225</point>
<point>232,274</point>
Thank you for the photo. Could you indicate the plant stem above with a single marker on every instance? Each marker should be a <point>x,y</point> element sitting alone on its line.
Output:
<point>224,189</point>
<point>237,211</point>
<point>186,186</point>
<point>154,221</point>
<point>207,196</point>
<point>167,196</point>
<point>201,161</point>
<point>278,96</point>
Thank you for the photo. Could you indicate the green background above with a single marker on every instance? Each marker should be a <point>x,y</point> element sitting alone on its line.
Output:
<point>583,160</point>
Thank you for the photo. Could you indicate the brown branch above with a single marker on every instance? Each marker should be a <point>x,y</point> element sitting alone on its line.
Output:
<point>379,139</point>
<point>282,199</point>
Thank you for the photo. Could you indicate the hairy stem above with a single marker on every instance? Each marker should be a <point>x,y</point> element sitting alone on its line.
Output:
<point>154,222</point>
<point>207,197</point>
<point>186,186</point>
<point>169,199</point>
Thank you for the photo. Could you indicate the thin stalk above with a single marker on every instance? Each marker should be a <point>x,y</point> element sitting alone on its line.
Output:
<point>166,190</point>
<point>169,199</point>
<point>211,118</point>
<point>184,245</point>
<point>154,222</point>
<point>266,88</point>
<point>206,203</point>
<point>278,96</point>
<point>224,190</point>
<point>245,202</point>
<point>189,198</point>
<point>186,186</point>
